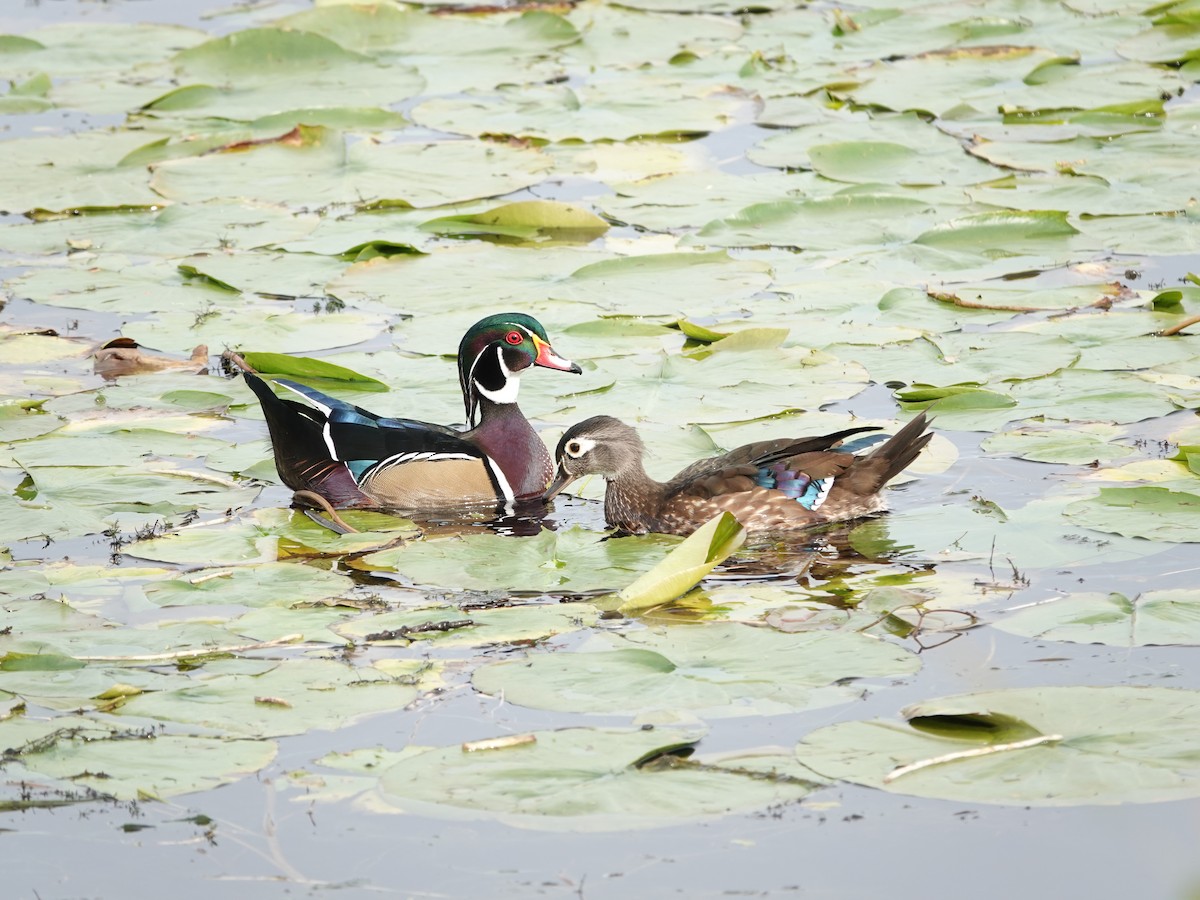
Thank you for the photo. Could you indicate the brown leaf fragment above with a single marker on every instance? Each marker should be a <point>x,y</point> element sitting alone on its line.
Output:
<point>272,701</point>
<point>123,356</point>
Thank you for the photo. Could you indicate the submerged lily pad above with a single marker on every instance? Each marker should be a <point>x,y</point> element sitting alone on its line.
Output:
<point>1049,746</point>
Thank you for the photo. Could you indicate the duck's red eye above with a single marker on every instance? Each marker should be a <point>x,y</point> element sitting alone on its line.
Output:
<point>514,337</point>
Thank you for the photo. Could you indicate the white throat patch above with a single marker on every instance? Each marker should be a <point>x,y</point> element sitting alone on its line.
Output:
<point>512,384</point>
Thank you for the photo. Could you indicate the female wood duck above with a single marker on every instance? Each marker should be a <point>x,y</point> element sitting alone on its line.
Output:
<point>781,485</point>
<point>354,458</point>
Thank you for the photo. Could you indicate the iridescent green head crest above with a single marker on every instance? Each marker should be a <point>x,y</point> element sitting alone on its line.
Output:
<point>493,353</point>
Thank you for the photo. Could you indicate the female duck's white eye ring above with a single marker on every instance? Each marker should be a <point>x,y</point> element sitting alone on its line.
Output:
<point>574,449</point>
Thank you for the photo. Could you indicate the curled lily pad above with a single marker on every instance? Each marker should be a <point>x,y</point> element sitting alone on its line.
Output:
<point>686,565</point>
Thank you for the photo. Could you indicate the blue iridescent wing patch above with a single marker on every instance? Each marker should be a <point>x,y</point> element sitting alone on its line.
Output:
<point>808,492</point>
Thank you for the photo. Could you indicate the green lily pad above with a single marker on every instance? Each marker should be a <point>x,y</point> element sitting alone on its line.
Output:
<point>587,779</point>
<point>881,150</point>
<point>173,231</point>
<point>525,220</point>
<point>275,275</point>
<point>827,223</point>
<point>278,584</point>
<point>1048,746</point>
<point>603,109</point>
<point>685,566</point>
<point>277,331</point>
<point>571,561</point>
<point>291,698</point>
<point>130,764</point>
<point>264,71</point>
<point>1154,618</point>
<point>1078,445</point>
<point>316,167</point>
<point>77,172</point>
<point>453,627</point>
<point>270,535</point>
<point>1153,513</point>
<point>999,231</point>
<point>279,364</point>
<point>1009,538</point>
<point>718,670</point>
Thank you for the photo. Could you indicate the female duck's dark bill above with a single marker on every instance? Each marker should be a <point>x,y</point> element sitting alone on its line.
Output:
<point>547,358</point>
<point>561,480</point>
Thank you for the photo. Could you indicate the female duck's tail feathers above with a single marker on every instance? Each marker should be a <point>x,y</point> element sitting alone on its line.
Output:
<point>867,476</point>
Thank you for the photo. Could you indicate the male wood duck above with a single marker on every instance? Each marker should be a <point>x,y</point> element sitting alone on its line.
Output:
<point>355,458</point>
<point>781,485</point>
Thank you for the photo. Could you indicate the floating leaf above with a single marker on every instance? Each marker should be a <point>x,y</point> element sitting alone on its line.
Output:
<point>317,167</point>
<point>305,367</point>
<point>570,561</point>
<point>525,220</point>
<point>685,566</point>
<point>320,694</point>
<point>716,669</point>
<point>1074,446</point>
<point>130,764</point>
<point>588,779</point>
<point>1049,746</point>
<point>1154,513</point>
<point>1150,619</point>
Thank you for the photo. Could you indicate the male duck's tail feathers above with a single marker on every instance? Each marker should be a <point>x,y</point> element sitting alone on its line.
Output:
<point>304,454</point>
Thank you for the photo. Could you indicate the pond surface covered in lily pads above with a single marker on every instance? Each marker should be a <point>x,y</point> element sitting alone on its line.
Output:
<point>743,221</point>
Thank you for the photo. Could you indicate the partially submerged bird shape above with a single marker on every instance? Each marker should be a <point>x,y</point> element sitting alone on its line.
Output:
<point>355,458</point>
<point>781,485</point>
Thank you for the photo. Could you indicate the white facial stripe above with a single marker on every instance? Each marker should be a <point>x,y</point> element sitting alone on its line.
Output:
<point>512,383</point>
<point>586,445</point>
